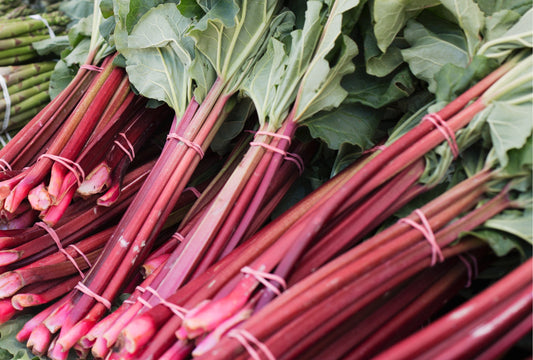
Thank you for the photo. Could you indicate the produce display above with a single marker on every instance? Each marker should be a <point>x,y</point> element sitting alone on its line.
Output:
<point>267,179</point>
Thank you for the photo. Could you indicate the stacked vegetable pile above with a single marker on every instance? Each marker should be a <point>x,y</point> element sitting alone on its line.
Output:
<point>375,160</point>
<point>26,60</point>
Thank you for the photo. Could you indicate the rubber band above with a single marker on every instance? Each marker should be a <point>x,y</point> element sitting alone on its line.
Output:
<point>4,165</point>
<point>2,140</point>
<point>91,67</point>
<point>176,309</point>
<point>56,239</point>
<point>474,262</point>
<point>193,190</point>
<point>7,99</point>
<point>178,237</point>
<point>244,338</point>
<point>102,300</point>
<point>296,159</point>
<point>189,143</point>
<point>81,254</point>
<point>468,270</point>
<point>269,147</point>
<point>445,130</point>
<point>43,20</point>
<point>275,135</point>
<point>73,167</point>
<point>426,230</point>
<point>144,302</point>
<point>263,278</point>
<point>130,152</point>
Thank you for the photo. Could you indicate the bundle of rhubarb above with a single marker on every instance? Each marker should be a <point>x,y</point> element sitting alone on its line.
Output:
<point>378,247</point>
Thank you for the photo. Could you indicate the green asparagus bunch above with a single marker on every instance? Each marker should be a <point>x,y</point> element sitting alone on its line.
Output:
<point>23,94</point>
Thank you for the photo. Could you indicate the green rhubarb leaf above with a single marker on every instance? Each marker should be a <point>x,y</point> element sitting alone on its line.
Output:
<point>520,161</point>
<point>77,9</point>
<point>501,243</point>
<point>232,126</point>
<point>11,348</point>
<point>452,80</point>
<point>106,7</point>
<point>158,56</point>
<point>377,92</point>
<point>510,127</point>
<point>520,35</point>
<point>229,47</point>
<point>378,63</point>
<point>127,14</point>
<point>390,16</point>
<point>470,18</point>
<point>60,78</point>
<point>430,51</point>
<point>51,46</point>
<point>273,82</point>
<point>223,11</point>
<point>499,23</point>
<point>320,87</point>
<point>190,8</point>
<point>490,7</point>
<point>518,223</point>
<point>350,123</point>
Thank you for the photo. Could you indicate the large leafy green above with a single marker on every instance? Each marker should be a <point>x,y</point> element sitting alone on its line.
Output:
<point>273,82</point>
<point>390,16</point>
<point>378,92</point>
<point>470,18</point>
<point>432,49</point>
<point>158,56</point>
<point>518,223</point>
<point>11,349</point>
<point>452,80</point>
<point>490,7</point>
<point>320,87</point>
<point>510,127</point>
<point>518,36</point>
<point>127,14</point>
<point>229,47</point>
<point>353,124</point>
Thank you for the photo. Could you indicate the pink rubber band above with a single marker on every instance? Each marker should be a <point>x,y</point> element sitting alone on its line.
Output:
<point>273,134</point>
<point>73,167</point>
<point>176,309</point>
<point>81,254</point>
<point>130,151</point>
<point>193,190</point>
<point>445,130</point>
<point>296,159</point>
<point>269,147</point>
<point>91,67</point>
<point>474,262</point>
<point>56,239</point>
<point>178,237</point>
<point>244,338</point>
<point>426,230</point>
<point>189,143</point>
<point>468,270</point>
<point>263,278</point>
<point>5,165</point>
<point>144,302</point>
<point>84,289</point>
